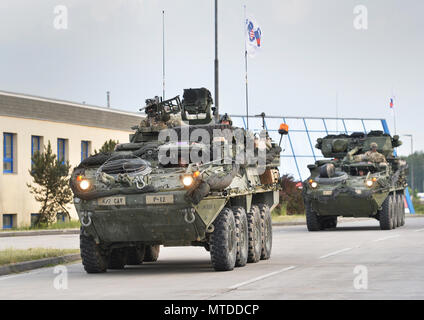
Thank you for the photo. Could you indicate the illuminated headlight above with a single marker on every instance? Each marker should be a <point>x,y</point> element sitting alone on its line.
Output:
<point>313,184</point>
<point>369,183</point>
<point>84,185</point>
<point>187,180</point>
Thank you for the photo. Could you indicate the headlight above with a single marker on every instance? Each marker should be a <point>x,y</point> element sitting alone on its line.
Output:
<point>84,185</point>
<point>187,180</point>
<point>313,184</point>
<point>371,182</point>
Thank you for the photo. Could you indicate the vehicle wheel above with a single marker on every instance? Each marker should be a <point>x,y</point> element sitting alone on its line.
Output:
<point>93,259</point>
<point>386,214</point>
<point>402,214</point>
<point>255,235</point>
<point>135,255</point>
<point>152,253</point>
<point>394,211</point>
<point>399,210</point>
<point>223,241</point>
<point>117,259</point>
<point>242,236</point>
<point>313,222</point>
<point>266,234</point>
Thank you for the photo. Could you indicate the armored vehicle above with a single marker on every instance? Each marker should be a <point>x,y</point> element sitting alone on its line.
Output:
<point>178,182</point>
<point>360,178</point>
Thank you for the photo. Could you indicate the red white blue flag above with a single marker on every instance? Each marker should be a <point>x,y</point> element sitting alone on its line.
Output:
<point>253,37</point>
<point>391,103</point>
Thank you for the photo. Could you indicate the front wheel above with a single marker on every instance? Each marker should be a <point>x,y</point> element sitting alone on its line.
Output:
<point>93,258</point>
<point>255,234</point>
<point>313,222</point>
<point>223,241</point>
<point>386,214</point>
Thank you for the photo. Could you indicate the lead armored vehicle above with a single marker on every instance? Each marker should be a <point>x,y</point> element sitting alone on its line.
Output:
<point>361,178</point>
<point>178,183</point>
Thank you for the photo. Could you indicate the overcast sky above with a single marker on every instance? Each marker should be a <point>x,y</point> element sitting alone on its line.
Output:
<point>311,51</point>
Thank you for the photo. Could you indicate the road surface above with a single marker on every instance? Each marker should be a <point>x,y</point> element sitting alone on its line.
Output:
<point>354,261</point>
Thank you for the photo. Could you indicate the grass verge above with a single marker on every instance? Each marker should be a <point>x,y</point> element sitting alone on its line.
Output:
<point>11,255</point>
<point>281,216</point>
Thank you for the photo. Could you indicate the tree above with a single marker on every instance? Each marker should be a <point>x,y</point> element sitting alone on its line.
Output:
<point>50,185</point>
<point>416,167</point>
<point>108,147</point>
<point>292,195</point>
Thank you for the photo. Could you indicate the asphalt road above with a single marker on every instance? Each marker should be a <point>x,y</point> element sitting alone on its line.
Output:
<point>388,265</point>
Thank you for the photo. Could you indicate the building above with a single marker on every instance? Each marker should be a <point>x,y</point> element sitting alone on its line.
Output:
<point>28,123</point>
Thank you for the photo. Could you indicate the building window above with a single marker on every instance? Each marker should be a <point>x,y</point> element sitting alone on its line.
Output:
<point>61,150</point>
<point>9,221</point>
<point>35,146</point>
<point>85,150</point>
<point>8,156</point>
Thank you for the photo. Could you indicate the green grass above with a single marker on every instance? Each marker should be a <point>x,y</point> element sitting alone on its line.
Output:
<point>11,255</point>
<point>281,216</point>
<point>58,225</point>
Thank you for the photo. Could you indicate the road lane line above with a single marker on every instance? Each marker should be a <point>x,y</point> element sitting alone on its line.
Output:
<point>334,253</point>
<point>419,230</point>
<point>245,283</point>
<point>387,238</point>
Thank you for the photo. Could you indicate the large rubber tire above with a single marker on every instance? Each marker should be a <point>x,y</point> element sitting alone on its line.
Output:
<point>152,253</point>
<point>242,236</point>
<point>255,235</point>
<point>394,212</point>
<point>313,222</point>
<point>93,259</point>
<point>402,220</point>
<point>399,211</point>
<point>386,222</point>
<point>223,241</point>
<point>266,231</point>
<point>117,259</point>
<point>135,255</point>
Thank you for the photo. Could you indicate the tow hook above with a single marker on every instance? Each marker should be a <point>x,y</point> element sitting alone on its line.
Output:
<point>189,216</point>
<point>86,216</point>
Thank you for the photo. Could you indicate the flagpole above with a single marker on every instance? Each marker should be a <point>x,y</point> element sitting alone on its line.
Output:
<point>246,70</point>
<point>216,64</point>
<point>163,55</point>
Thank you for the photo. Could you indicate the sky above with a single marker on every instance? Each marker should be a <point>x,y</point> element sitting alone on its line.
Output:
<point>311,56</point>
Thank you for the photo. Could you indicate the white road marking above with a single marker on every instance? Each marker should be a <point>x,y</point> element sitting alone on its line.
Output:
<point>334,253</point>
<point>238,285</point>
<point>387,238</point>
<point>419,230</point>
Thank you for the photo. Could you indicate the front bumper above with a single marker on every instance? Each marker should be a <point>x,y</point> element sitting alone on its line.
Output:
<point>138,221</point>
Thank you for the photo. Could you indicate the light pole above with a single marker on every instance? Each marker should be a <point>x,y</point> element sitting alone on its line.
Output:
<point>412,164</point>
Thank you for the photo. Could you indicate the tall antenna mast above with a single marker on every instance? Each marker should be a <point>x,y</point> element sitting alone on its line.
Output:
<point>216,64</point>
<point>163,55</point>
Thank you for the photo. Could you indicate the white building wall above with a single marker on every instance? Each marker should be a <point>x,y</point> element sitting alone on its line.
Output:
<point>15,197</point>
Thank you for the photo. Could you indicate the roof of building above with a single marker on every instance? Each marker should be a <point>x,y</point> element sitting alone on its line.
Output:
<point>40,108</point>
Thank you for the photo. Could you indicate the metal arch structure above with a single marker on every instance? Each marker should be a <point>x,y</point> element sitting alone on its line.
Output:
<point>303,130</point>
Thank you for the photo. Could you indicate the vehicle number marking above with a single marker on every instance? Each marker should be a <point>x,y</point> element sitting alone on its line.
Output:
<point>327,193</point>
<point>165,199</point>
<point>111,201</point>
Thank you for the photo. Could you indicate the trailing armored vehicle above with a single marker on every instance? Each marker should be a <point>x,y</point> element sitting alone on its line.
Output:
<point>361,178</point>
<point>178,182</point>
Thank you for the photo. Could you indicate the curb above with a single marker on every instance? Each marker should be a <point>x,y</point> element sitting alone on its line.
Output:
<point>4,234</point>
<point>35,264</point>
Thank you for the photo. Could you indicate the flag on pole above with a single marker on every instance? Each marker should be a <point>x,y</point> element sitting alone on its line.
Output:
<point>391,103</point>
<point>253,37</point>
